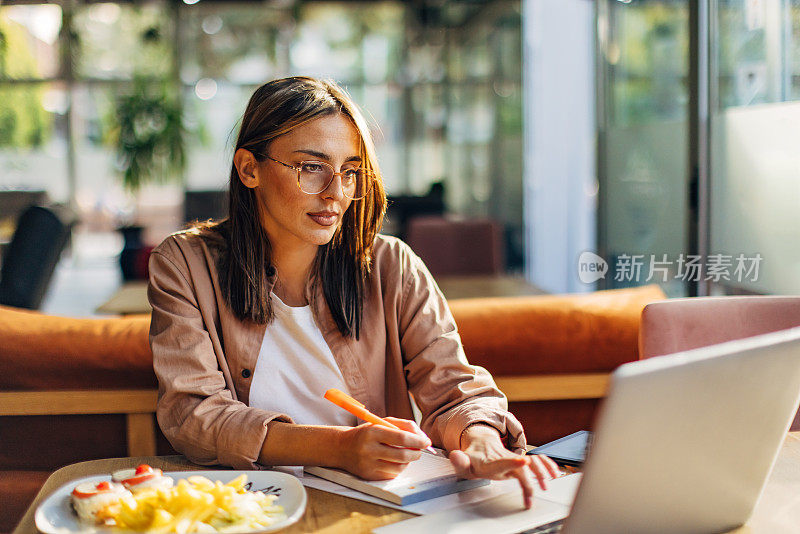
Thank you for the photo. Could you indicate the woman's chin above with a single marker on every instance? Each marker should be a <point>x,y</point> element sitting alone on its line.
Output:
<point>321,237</point>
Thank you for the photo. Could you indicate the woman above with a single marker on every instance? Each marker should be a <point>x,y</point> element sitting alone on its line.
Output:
<point>255,317</point>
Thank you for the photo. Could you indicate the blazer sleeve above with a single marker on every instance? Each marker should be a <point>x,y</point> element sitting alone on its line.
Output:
<point>450,393</point>
<point>197,411</point>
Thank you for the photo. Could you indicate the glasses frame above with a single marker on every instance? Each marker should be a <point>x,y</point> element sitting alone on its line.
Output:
<point>370,176</point>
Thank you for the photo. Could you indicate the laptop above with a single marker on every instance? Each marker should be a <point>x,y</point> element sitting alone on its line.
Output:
<point>683,444</point>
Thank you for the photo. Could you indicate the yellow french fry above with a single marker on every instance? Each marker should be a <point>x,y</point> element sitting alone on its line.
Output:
<point>192,505</point>
<point>238,482</point>
<point>182,526</point>
<point>161,519</point>
<point>200,482</point>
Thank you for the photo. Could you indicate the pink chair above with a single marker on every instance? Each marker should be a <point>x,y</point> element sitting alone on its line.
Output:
<point>681,324</point>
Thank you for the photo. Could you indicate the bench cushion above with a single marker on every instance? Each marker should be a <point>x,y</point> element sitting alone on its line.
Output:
<point>43,352</point>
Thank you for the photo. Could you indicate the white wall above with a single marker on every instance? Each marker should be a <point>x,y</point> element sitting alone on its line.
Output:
<point>560,183</point>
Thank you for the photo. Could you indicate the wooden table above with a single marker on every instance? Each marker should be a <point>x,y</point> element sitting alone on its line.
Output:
<point>777,512</point>
<point>131,297</point>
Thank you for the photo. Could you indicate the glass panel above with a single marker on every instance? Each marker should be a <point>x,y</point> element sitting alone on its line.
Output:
<point>350,42</point>
<point>29,45</point>
<point>217,118</point>
<point>382,105</point>
<point>116,41</point>
<point>647,61</point>
<point>644,160</point>
<point>382,42</point>
<point>793,50</point>
<point>506,169</point>
<point>33,139</point>
<point>427,138</point>
<point>99,195</point>
<point>507,38</point>
<point>327,42</point>
<point>755,190</point>
<point>101,198</point>
<point>471,131</point>
<point>440,84</point>
<point>749,60</point>
<point>242,43</point>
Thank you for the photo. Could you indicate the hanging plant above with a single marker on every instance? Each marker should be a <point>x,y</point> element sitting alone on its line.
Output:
<point>149,136</point>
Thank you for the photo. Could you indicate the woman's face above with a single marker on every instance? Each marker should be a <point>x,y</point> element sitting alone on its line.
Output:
<point>291,217</point>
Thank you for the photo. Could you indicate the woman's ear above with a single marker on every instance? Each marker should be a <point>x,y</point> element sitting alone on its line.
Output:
<point>247,167</point>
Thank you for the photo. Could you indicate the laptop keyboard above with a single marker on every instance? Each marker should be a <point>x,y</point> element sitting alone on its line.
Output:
<point>549,528</point>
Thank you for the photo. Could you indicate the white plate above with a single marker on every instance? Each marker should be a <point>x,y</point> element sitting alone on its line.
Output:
<point>55,515</point>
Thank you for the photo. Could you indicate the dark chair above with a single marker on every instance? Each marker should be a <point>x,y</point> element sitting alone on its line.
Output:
<point>203,205</point>
<point>402,208</point>
<point>32,255</point>
<point>457,246</point>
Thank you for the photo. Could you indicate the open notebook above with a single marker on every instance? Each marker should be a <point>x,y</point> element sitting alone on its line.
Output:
<point>429,477</point>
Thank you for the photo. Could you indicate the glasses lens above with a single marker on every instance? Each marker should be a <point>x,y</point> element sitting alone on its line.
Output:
<point>316,176</point>
<point>358,184</point>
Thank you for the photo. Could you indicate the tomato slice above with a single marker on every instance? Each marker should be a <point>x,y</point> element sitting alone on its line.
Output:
<point>133,481</point>
<point>81,495</point>
<point>142,469</point>
<point>100,487</point>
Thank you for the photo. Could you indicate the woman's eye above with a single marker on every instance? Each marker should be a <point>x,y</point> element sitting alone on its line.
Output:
<point>350,174</point>
<point>312,167</point>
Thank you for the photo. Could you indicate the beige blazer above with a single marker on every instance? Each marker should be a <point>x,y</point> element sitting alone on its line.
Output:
<point>204,356</point>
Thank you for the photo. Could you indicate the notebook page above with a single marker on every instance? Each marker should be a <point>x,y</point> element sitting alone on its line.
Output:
<point>428,477</point>
<point>428,468</point>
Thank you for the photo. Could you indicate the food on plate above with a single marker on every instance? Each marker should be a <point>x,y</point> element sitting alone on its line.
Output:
<point>195,504</point>
<point>89,498</point>
<point>141,478</point>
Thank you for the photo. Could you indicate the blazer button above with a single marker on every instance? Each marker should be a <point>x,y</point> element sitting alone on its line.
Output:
<point>246,373</point>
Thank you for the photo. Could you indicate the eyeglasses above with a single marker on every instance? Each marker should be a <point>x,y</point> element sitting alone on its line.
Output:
<point>314,177</point>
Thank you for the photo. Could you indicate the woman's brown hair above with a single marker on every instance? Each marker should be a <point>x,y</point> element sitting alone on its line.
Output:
<point>343,265</point>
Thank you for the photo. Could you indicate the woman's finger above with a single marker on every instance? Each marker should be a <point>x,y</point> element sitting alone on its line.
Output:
<point>500,468</point>
<point>399,438</point>
<point>461,463</point>
<point>400,455</point>
<point>551,466</point>
<point>391,469</point>
<point>526,483</point>
<point>537,466</point>
<point>408,426</point>
<point>382,470</point>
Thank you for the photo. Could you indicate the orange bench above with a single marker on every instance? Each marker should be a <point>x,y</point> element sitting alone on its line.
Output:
<point>82,389</point>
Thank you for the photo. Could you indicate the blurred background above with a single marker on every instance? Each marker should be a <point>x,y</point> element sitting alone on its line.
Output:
<point>513,135</point>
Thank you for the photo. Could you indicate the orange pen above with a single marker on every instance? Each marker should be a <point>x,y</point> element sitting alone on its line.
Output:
<point>345,401</point>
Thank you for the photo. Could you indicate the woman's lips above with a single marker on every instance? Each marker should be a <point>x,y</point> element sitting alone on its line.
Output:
<point>324,218</point>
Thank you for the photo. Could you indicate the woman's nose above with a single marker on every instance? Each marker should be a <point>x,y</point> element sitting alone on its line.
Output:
<point>335,189</point>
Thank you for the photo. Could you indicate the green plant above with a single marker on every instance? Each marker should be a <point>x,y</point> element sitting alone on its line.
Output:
<point>149,134</point>
<point>23,121</point>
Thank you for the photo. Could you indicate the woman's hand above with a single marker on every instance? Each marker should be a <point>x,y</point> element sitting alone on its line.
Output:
<point>376,452</point>
<point>483,455</point>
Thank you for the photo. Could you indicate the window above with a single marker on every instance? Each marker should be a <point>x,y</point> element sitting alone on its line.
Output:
<point>441,84</point>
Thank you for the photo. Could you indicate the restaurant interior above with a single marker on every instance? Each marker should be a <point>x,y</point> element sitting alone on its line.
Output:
<point>558,165</point>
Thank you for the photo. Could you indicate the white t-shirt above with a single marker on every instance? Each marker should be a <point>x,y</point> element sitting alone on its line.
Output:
<point>295,368</point>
